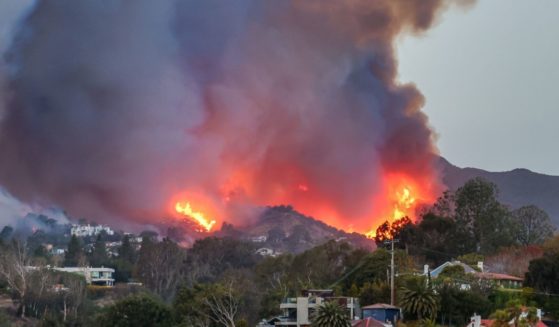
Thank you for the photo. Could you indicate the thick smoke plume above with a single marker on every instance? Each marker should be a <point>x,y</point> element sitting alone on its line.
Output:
<point>115,109</point>
<point>23,217</point>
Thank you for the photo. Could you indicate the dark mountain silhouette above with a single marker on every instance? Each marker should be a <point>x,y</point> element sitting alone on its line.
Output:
<point>517,187</point>
<point>287,230</point>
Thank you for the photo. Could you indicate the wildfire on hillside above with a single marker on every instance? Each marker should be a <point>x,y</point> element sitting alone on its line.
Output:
<point>403,196</point>
<point>400,197</point>
<point>199,217</point>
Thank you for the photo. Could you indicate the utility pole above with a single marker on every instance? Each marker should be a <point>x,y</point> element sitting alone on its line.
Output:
<point>392,290</point>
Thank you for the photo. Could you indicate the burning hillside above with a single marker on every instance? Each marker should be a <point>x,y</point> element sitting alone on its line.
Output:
<point>206,110</point>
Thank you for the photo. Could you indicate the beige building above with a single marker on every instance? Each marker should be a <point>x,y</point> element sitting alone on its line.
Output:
<point>298,311</point>
<point>96,276</point>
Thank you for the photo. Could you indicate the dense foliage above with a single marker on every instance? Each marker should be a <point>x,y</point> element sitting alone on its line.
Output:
<point>136,311</point>
<point>418,298</point>
<point>330,314</point>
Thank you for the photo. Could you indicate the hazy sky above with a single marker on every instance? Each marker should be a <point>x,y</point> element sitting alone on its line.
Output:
<point>491,76</point>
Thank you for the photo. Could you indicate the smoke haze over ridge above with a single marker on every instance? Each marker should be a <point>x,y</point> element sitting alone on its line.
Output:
<point>113,109</point>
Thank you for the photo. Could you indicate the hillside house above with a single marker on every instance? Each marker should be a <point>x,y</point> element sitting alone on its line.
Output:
<point>95,276</point>
<point>259,239</point>
<point>297,311</point>
<point>476,320</point>
<point>267,252</point>
<point>89,230</point>
<point>500,280</point>
<point>385,313</point>
<point>369,322</point>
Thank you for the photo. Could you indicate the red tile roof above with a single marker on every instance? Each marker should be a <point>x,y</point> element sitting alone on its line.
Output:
<point>495,276</point>
<point>367,322</point>
<point>380,306</point>
<point>489,323</point>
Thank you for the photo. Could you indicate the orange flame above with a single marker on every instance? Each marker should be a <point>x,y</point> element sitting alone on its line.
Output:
<point>404,201</point>
<point>199,217</point>
<point>398,195</point>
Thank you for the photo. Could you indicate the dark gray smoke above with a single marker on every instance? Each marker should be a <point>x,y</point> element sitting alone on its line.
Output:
<point>116,108</point>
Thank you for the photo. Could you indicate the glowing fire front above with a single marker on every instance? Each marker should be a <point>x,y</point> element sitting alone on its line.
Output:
<point>398,196</point>
<point>404,202</point>
<point>199,217</point>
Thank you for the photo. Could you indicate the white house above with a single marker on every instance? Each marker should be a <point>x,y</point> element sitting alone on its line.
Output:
<point>89,230</point>
<point>266,252</point>
<point>97,276</point>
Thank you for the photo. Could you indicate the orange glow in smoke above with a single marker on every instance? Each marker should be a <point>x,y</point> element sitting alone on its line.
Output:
<point>404,202</point>
<point>402,196</point>
<point>199,217</point>
<point>397,196</point>
<point>303,187</point>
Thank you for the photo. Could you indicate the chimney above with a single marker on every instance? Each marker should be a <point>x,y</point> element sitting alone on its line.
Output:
<point>426,270</point>
<point>475,321</point>
<point>480,265</point>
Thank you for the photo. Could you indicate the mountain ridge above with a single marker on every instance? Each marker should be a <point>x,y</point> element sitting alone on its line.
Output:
<point>517,187</point>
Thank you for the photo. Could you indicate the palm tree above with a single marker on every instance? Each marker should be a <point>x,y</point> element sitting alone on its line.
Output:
<point>513,313</point>
<point>330,314</point>
<point>501,318</point>
<point>419,299</point>
<point>427,323</point>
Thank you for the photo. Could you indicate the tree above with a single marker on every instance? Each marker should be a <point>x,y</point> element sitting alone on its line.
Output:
<point>307,269</point>
<point>376,292</point>
<point>216,304</point>
<point>382,233</point>
<point>6,233</point>
<point>223,305</point>
<point>453,272</point>
<point>436,239</point>
<point>74,256</point>
<point>388,231</point>
<point>533,225</point>
<point>13,271</point>
<point>331,314</point>
<point>513,312</point>
<point>445,205</point>
<point>513,260</point>
<point>136,311</point>
<point>457,305</point>
<point>272,276</point>
<point>471,259</point>
<point>161,266</point>
<point>124,264</point>
<point>38,296</point>
<point>98,256</point>
<point>210,257</point>
<point>374,266</point>
<point>482,217</point>
<point>186,307</point>
<point>543,273</point>
<point>418,298</point>
<point>73,296</point>
<point>126,251</point>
